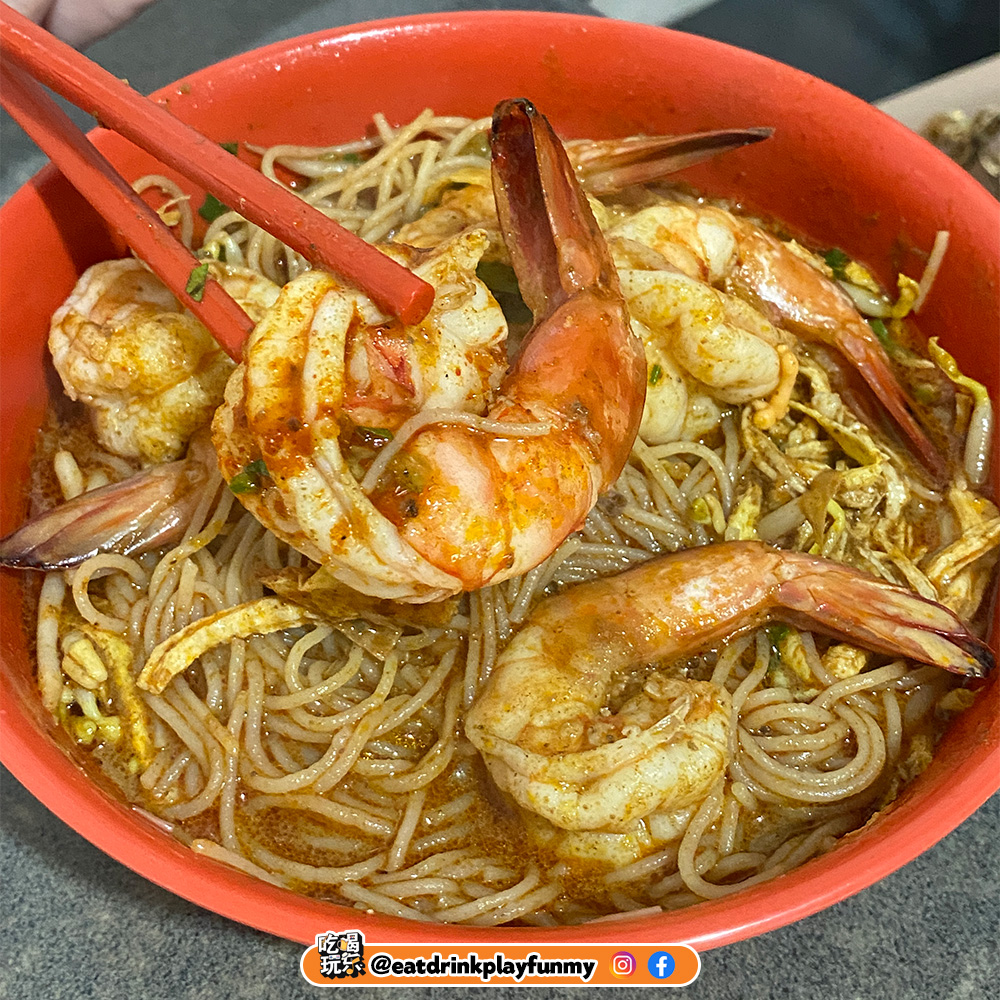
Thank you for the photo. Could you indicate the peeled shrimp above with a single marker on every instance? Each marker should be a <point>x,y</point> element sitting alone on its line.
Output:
<point>148,371</point>
<point>459,500</point>
<point>454,358</point>
<point>563,733</point>
<point>677,408</point>
<point>460,208</point>
<point>730,350</point>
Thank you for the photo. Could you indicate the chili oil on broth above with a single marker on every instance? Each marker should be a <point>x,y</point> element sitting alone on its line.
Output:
<point>471,850</point>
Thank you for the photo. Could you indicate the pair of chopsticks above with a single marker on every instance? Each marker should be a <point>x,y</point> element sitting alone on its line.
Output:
<point>30,54</point>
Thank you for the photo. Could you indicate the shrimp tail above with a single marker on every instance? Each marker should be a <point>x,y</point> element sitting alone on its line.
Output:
<point>581,351</point>
<point>868,358</point>
<point>607,166</point>
<point>149,509</point>
<point>793,294</point>
<point>879,616</point>
<point>555,244</point>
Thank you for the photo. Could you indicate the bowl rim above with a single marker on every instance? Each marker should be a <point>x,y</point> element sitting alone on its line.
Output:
<point>52,777</point>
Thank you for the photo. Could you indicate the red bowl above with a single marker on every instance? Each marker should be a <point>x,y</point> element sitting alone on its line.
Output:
<point>836,171</point>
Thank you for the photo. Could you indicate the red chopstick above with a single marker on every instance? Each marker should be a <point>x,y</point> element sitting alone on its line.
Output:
<point>320,240</point>
<point>90,173</point>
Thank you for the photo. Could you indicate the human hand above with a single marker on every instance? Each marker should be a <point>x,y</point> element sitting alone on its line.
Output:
<point>79,22</point>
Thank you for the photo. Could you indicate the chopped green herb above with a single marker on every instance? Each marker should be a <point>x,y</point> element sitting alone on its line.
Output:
<point>212,208</point>
<point>249,480</point>
<point>241,483</point>
<point>837,260</point>
<point>655,374</point>
<point>195,286</point>
<point>880,331</point>
<point>775,633</point>
<point>351,158</point>
<point>377,432</point>
<point>230,147</point>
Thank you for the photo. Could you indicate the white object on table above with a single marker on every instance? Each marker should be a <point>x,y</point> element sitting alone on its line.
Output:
<point>968,89</point>
<point>662,12</point>
<point>965,104</point>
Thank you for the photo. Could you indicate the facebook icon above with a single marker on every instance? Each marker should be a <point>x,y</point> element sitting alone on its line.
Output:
<point>661,964</point>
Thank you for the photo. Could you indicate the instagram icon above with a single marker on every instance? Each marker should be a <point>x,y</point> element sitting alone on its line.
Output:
<point>622,963</point>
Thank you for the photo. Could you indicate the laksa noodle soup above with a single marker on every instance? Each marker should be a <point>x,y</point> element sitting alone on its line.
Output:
<point>608,586</point>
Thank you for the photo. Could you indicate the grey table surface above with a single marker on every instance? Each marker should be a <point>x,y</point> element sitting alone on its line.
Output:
<point>76,923</point>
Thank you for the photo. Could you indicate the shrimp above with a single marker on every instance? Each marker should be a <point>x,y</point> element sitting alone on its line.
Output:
<point>714,246</point>
<point>456,500</point>
<point>676,407</point>
<point>470,206</point>
<point>563,734</point>
<point>387,377</point>
<point>147,370</point>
